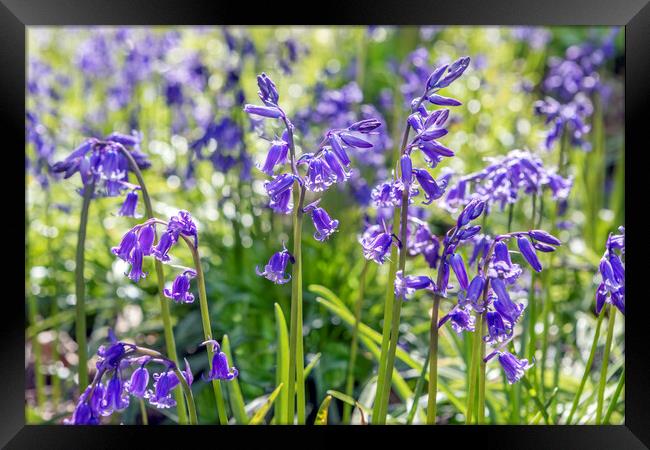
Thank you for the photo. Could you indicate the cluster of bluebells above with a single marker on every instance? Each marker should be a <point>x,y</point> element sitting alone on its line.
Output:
<point>122,372</point>
<point>327,166</point>
<point>429,126</point>
<point>568,86</point>
<point>487,294</point>
<point>104,167</point>
<point>612,272</point>
<point>339,108</point>
<point>505,179</point>
<point>138,242</point>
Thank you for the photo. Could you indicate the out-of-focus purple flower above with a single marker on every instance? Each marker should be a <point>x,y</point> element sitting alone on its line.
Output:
<point>129,205</point>
<point>505,179</point>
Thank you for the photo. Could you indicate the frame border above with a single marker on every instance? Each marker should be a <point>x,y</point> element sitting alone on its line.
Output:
<point>16,16</point>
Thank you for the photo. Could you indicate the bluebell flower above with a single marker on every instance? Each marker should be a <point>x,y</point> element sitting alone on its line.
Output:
<point>461,320</point>
<point>513,367</point>
<point>432,190</point>
<point>180,291</point>
<point>116,398</point>
<point>612,273</point>
<point>275,270</point>
<point>324,225</point>
<point>220,369</point>
<point>277,155</point>
<point>139,381</point>
<point>498,330</point>
<point>376,242</point>
<point>405,286</point>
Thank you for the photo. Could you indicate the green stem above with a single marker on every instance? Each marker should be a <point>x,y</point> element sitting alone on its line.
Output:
<point>471,391</point>
<point>296,388</point>
<point>590,361</point>
<point>165,314</point>
<point>207,328</point>
<point>349,385</point>
<point>143,412</point>
<point>603,370</point>
<point>482,373</point>
<point>39,376</point>
<point>617,393</point>
<point>80,289</point>
<point>433,363</point>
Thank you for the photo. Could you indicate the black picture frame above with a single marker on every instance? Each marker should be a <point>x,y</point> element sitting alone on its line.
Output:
<point>17,15</point>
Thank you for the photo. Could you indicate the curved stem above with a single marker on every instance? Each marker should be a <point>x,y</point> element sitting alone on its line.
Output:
<point>165,314</point>
<point>433,362</point>
<point>482,373</point>
<point>349,384</point>
<point>207,328</point>
<point>590,361</point>
<point>603,369</point>
<point>296,388</point>
<point>80,288</point>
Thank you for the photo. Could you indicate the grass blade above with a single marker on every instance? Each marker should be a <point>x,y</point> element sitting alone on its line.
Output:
<point>282,369</point>
<point>258,417</point>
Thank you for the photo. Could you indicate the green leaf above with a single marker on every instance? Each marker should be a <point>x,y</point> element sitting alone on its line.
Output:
<point>321,416</point>
<point>350,401</point>
<point>312,364</point>
<point>234,391</point>
<point>282,369</point>
<point>258,417</point>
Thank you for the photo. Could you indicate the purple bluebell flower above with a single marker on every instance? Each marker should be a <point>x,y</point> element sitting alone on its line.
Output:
<point>513,367</point>
<point>127,244</point>
<point>405,286</point>
<point>180,291</point>
<point>432,190</point>
<point>503,304</point>
<point>161,395</point>
<point>406,169</point>
<point>277,155</point>
<point>161,251</point>
<point>275,270</point>
<point>528,252</point>
<point>324,225</point>
<point>319,175</point>
<point>376,242</point>
<point>612,273</point>
<point>461,320</point>
<point>472,294</point>
<point>116,398</point>
<point>458,266</point>
<point>502,266</point>
<point>422,241</point>
<point>136,260</point>
<point>139,381</point>
<point>220,369</point>
<point>498,331</point>
<point>282,203</point>
<point>146,237</point>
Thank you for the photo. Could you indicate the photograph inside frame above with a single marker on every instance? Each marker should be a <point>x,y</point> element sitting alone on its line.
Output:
<point>359,225</point>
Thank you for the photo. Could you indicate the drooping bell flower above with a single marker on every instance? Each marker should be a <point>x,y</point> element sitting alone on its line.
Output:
<point>220,369</point>
<point>137,385</point>
<point>129,205</point>
<point>432,190</point>
<point>528,252</point>
<point>277,155</point>
<point>461,320</point>
<point>180,291</point>
<point>116,398</point>
<point>405,286</point>
<point>458,266</point>
<point>324,225</point>
<point>275,270</point>
<point>513,367</point>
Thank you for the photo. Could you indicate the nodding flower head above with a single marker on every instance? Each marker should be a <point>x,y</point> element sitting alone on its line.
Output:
<point>180,291</point>
<point>137,385</point>
<point>275,270</point>
<point>405,286</point>
<point>376,242</point>
<point>220,369</point>
<point>461,320</point>
<point>324,225</point>
<point>130,204</point>
<point>612,273</point>
<point>513,367</point>
<point>277,155</point>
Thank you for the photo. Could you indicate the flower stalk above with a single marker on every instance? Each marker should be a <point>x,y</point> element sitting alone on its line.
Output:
<point>603,369</point>
<point>165,313</point>
<point>80,288</point>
